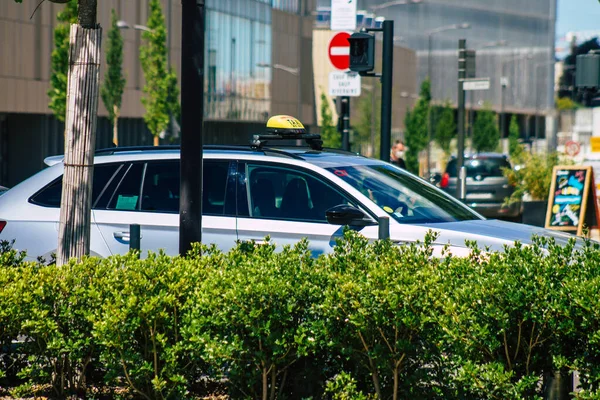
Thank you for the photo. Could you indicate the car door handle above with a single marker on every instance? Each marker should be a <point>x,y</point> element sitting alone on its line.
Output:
<point>123,235</point>
<point>256,242</point>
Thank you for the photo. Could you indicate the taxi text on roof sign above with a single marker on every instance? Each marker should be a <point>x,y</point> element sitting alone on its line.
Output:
<point>285,125</point>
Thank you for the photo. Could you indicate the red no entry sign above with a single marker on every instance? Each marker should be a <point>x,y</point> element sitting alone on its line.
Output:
<point>339,51</point>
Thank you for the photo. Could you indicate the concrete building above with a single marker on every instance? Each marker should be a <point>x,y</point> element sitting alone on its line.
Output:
<point>247,43</point>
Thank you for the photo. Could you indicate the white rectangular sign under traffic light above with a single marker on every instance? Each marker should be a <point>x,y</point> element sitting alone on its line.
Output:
<point>476,84</point>
<point>343,15</point>
<point>344,84</point>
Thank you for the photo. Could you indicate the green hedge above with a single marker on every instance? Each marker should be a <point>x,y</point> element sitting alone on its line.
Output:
<point>370,320</point>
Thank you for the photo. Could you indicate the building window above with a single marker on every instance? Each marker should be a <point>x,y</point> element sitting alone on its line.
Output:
<point>238,73</point>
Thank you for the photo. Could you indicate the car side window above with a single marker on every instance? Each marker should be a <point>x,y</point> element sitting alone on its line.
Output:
<point>127,195</point>
<point>283,193</point>
<point>51,195</point>
<point>214,178</point>
<point>161,187</point>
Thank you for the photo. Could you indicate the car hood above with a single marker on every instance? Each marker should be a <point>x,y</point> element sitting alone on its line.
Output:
<point>494,234</point>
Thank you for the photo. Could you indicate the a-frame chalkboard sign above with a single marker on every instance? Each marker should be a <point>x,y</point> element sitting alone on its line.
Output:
<point>572,203</point>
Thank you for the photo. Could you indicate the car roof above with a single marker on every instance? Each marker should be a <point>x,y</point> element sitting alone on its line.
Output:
<point>482,155</point>
<point>324,158</point>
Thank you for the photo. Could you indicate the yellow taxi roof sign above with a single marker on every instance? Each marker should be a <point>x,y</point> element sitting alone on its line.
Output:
<point>285,124</point>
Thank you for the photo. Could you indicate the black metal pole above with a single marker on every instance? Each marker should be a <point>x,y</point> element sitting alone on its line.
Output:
<point>345,108</point>
<point>135,237</point>
<point>462,73</point>
<point>192,114</point>
<point>384,228</point>
<point>386,90</point>
<point>429,122</point>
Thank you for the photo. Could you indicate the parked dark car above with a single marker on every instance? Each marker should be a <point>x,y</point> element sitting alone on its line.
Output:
<point>487,187</point>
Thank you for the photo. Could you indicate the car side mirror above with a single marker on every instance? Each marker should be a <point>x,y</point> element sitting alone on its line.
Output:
<point>345,214</point>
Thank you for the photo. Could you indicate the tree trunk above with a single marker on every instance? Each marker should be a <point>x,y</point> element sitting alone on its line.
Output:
<point>156,140</point>
<point>116,126</point>
<point>80,140</point>
<point>395,395</point>
<point>265,383</point>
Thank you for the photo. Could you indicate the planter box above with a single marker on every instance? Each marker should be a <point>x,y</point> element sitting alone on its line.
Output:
<point>534,213</point>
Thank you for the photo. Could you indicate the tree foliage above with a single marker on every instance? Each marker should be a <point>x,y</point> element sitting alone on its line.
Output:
<point>114,81</point>
<point>445,129</point>
<point>161,100</point>
<point>416,135</point>
<point>59,61</point>
<point>329,133</point>
<point>565,104</point>
<point>515,149</point>
<point>534,175</point>
<point>485,131</point>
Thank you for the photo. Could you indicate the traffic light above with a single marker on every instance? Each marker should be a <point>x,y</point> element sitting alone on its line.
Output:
<point>362,52</point>
<point>587,74</point>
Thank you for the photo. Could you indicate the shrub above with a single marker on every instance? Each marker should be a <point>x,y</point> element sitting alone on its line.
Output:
<point>531,175</point>
<point>138,322</point>
<point>370,320</point>
<point>377,305</point>
<point>49,309</point>
<point>251,318</point>
<point>504,316</point>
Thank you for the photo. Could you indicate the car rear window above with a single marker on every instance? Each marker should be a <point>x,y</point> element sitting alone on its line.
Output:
<point>481,166</point>
<point>51,195</point>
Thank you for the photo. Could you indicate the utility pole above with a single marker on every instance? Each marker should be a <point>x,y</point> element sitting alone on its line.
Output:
<point>362,60</point>
<point>387,71</point>
<point>429,122</point>
<point>462,74</point>
<point>192,118</point>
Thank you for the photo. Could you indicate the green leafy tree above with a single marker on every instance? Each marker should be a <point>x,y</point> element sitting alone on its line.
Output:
<point>485,131</point>
<point>329,134</point>
<point>515,149</point>
<point>59,60</point>
<point>566,103</point>
<point>416,128</point>
<point>114,82</point>
<point>445,129</point>
<point>161,101</point>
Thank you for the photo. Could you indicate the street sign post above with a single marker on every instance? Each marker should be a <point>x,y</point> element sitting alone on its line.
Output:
<point>344,84</point>
<point>339,51</point>
<point>343,15</point>
<point>476,84</point>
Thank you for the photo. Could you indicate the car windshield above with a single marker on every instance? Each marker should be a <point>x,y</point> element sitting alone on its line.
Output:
<point>481,166</point>
<point>407,199</point>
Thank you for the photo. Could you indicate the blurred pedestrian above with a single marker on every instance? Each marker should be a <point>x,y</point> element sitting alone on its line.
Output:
<point>397,154</point>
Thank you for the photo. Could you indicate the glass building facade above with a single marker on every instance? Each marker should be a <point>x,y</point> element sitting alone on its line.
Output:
<point>238,59</point>
<point>513,39</point>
